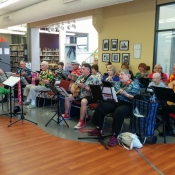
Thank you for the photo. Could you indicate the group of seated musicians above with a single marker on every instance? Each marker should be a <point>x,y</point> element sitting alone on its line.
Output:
<point>90,75</point>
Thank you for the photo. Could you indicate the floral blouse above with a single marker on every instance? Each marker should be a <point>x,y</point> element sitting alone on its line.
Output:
<point>46,75</point>
<point>172,77</point>
<point>90,80</point>
<point>132,89</point>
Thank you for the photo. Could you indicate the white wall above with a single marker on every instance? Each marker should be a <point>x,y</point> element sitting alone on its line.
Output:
<point>7,37</point>
<point>85,26</point>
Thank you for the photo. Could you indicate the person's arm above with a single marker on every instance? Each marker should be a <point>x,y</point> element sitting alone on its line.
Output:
<point>131,91</point>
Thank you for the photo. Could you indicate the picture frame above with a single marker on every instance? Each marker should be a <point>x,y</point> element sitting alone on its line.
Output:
<point>115,57</point>
<point>126,58</point>
<point>114,44</point>
<point>124,45</point>
<point>105,57</point>
<point>105,45</point>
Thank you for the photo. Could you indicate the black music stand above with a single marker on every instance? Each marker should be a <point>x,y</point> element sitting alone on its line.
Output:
<point>22,113</point>
<point>164,94</point>
<point>97,94</point>
<point>58,112</point>
<point>144,81</point>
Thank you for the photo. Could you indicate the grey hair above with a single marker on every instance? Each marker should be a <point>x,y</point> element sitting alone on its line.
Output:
<point>158,65</point>
<point>126,71</point>
<point>45,63</point>
<point>23,61</point>
<point>157,75</point>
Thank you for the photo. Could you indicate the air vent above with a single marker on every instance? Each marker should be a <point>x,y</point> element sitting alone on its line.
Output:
<point>7,18</point>
<point>67,1</point>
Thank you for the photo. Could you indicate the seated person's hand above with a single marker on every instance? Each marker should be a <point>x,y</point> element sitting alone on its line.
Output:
<point>37,78</point>
<point>23,73</point>
<point>81,85</point>
<point>72,90</point>
<point>123,92</point>
<point>1,71</point>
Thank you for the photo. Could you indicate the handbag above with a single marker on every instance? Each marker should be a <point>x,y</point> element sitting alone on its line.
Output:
<point>129,140</point>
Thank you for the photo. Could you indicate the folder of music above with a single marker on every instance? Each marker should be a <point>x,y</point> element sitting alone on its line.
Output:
<point>11,81</point>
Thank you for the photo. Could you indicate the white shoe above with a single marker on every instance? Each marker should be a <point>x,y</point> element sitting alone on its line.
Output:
<point>79,125</point>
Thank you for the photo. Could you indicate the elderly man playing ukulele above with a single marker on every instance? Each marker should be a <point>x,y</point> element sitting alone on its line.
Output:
<point>80,91</point>
<point>125,89</point>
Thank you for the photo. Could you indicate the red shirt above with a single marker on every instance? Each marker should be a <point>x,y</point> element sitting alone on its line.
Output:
<point>75,72</point>
<point>164,77</point>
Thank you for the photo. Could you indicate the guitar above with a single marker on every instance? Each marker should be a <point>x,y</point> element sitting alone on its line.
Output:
<point>77,88</point>
<point>126,85</point>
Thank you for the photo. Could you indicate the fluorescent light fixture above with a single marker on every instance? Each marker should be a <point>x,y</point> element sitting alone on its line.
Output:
<point>7,2</point>
<point>6,31</point>
<point>71,34</point>
<point>45,31</point>
<point>18,28</point>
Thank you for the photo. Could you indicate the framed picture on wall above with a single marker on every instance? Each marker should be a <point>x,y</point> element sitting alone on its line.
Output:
<point>124,45</point>
<point>105,45</point>
<point>125,58</point>
<point>114,44</point>
<point>105,57</point>
<point>115,57</point>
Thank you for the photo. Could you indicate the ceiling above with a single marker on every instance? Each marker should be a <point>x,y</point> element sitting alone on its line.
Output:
<point>28,11</point>
<point>18,6</point>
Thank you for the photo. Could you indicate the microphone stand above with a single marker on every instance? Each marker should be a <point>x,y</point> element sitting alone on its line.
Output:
<point>22,113</point>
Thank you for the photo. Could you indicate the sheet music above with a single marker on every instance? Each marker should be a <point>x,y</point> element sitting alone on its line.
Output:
<point>11,81</point>
<point>106,93</point>
<point>62,91</point>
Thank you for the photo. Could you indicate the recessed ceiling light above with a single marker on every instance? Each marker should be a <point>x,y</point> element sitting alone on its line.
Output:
<point>8,2</point>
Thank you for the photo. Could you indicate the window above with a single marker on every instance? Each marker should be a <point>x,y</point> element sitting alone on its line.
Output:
<point>81,39</point>
<point>165,37</point>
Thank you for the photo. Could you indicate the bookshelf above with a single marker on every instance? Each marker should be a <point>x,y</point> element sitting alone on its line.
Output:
<point>50,55</point>
<point>18,52</point>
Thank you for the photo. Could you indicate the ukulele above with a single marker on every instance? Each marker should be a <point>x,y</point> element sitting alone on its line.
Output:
<point>77,88</point>
<point>126,85</point>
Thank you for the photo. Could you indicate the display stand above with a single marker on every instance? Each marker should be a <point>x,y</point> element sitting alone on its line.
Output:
<point>58,91</point>
<point>98,95</point>
<point>164,94</point>
<point>22,113</point>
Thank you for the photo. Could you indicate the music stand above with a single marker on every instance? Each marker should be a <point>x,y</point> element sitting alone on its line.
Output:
<point>4,80</point>
<point>164,94</point>
<point>144,81</point>
<point>58,112</point>
<point>107,84</point>
<point>22,113</point>
<point>97,94</point>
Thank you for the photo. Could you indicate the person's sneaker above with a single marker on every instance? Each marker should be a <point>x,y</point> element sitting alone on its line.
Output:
<point>95,132</point>
<point>31,106</point>
<point>112,141</point>
<point>65,116</point>
<point>26,102</point>
<point>80,125</point>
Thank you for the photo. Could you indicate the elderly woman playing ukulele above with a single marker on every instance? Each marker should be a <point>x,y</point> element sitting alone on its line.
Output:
<point>126,90</point>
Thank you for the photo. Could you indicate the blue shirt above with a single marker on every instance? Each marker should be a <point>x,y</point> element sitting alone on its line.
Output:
<point>28,72</point>
<point>115,78</point>
<point>91,80</point>
<point>133,89</point>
